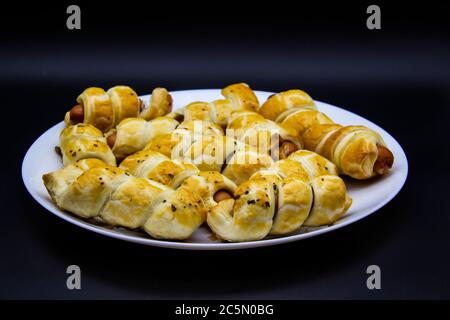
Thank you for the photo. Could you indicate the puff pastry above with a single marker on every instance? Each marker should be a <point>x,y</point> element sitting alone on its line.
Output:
<point>133,134</point>
<point>238,97</point>
<point>267,136</point>
<point>83,141</point>
<point>358,151</point>
<point>90,189</point>
<point>105,110</point>
<point>278,200</point>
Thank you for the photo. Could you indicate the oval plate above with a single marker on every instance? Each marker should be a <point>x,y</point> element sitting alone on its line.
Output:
<point>368,196</point>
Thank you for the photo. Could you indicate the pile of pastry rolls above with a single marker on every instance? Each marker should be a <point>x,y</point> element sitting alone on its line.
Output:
<point>178,170</point>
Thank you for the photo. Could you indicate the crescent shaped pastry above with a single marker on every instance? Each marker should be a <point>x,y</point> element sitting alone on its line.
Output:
<point>160,104</point>
<point>84,141</point>
<point>133,134</point>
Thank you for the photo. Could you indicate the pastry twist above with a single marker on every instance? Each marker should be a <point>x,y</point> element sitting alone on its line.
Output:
<point>280,199</point>
<point>83,141</point>
<point>90,188</point>
<point>358,151</point>
<point>105,110</point>
<point>133,134</point>
<point>237,96</point>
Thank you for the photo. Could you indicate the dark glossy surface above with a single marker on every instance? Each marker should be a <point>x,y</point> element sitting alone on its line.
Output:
<point>396,77</point>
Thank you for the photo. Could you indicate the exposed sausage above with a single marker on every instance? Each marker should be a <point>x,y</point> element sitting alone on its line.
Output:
<point>111,140</point>
<point>222,195</point>
<point>77,114</point>
<point>384,160</point>
<point>286,148</point>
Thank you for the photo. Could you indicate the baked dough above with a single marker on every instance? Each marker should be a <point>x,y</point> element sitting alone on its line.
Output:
<point>357,151</point>
<point>90,189</point>
<point>160,104</point>
<point>83,141</point>
<point>133,134</point>
<point>354,149</point>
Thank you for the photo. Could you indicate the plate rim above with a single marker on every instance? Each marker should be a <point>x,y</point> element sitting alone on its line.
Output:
<point>219,245</point>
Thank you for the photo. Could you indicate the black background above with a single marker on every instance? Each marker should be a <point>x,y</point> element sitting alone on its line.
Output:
<point>398,77</point>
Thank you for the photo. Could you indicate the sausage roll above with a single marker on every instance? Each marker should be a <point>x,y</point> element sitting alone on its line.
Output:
<point>105,110</point>
<point>133,134</point>
<point>265,135</point>
<point>278,200</point>
<point>156,166</point>
<point>83,141</point>
<point>238,97</point>
<point>90,189</point>
<point>357,151</point>
<point>160,104</point>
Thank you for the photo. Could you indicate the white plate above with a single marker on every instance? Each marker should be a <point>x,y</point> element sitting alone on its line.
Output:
<point>368,196</point>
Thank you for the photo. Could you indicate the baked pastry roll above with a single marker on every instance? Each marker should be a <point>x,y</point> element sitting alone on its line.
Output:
<point>133,134</point>
<point>160,104</point>
<point>249,216</point>
<point>105,110</point>
<point>83,141</point>
<point>314,164</point>
<point>176,214</point>
<point>211,186</point>
<point>357,151</point>
<point>361,154</point>
<point>90,189</point>
<point>265,135</point>
<point>199,127</point>
<point>244,162</point>
<point>238,97</point>
<point>156,166</point>
<point>277,201</point>
<point>278,103</point>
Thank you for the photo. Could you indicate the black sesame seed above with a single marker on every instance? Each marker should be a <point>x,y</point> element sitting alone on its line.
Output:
<point>173,208</point>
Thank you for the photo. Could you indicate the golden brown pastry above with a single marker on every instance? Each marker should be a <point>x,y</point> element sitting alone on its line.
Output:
<point>156,166</point>
<point>278,200</point>
<point>238,97</point>
<point>133,134</point>
<point>82,141</point>
<point>357,151</point>
<point>267,136</point>
<point>105,110</point>
<point>160,104</point>
<point>90,189</point>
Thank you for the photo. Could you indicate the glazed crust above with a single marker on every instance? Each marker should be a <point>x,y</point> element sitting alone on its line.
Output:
<point>354,149</point>
<point>125,103</point>
<point>160,104</point>
<point>133,134</point>
<point>91,188</point>
<point>276,104</point>
<point>82,141</point>
<point>98,110</point>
